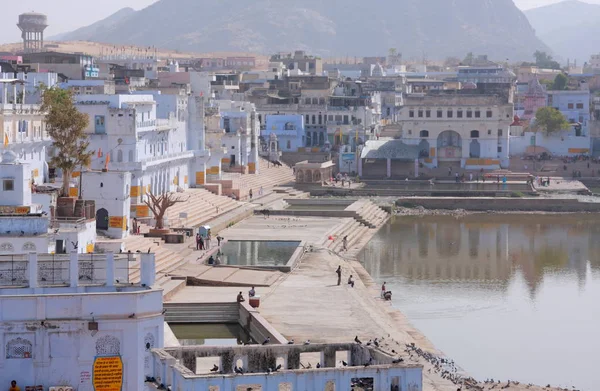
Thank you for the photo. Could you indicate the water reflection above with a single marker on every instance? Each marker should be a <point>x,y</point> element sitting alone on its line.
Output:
<point>485,286</point>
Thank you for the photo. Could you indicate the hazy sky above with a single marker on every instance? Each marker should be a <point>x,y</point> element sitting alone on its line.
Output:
<point>67,15</point>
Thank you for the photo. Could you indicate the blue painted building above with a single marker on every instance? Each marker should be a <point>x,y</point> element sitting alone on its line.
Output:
<point>289,129</point>
<point>575,106</point>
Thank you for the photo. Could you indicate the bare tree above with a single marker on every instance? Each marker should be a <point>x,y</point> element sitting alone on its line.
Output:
<point>159,205</point>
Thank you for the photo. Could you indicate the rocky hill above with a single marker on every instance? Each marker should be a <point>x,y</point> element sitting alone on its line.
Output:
<point>570,28</point>
<point>431,28</point>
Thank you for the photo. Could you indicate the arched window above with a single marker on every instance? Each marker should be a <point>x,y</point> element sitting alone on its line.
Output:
<point>314,118</point>
<point>289,144</point>
<point>120,156</point>
<point>424,133</point>
<point>474,133</point>
<point>131,155</point>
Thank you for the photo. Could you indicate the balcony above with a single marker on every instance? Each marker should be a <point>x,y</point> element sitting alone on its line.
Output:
<point>145,124</point>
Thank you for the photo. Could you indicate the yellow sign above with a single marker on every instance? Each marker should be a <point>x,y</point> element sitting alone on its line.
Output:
<point>579,150</point>
<point>115,222</point>
<point>225,160</point>
<point>200,177</point>
<point>185,180</point>
<point>75,174</point>
<point>108,373</point>
<point>252,168</point>
<point>135,191</point>
<point>142,211</point>
<point>214,170</point>
<point>89,248</point>
<point>176,181</point>
<point>14,210</point>
<point>73,192</point>
<point>35,173</point>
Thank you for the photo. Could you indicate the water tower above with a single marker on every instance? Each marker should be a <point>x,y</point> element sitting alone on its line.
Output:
<point>32,26</point>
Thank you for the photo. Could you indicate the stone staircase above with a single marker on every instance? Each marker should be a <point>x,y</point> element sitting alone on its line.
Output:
<point>167,256</point>
<point>270,176</point>
<point>348,227</point>
<point>202,313</point>
<point>369,214</point>
<point>201,206</point>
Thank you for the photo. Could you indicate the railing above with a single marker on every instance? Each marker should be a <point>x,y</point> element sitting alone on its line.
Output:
<point>145,124</point>
<point>55,269</point>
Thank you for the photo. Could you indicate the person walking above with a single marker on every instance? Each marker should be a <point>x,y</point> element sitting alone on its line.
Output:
<point>198,239</point>
<point>345,243</point>
<point>250,194</point>
<point>208,239</point>
<point>339,275</point>
<point>383,290</point>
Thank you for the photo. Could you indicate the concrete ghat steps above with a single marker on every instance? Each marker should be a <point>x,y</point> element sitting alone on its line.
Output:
<point>202,313</point>
<point>354,231</point>
<point>200,207</point>
<point>337,231</point>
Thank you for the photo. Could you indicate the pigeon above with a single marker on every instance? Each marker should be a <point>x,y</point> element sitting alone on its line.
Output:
<point>318,365</point>
<point>369,343</point>
<point>307,342</point>
<point>149,248</point>
<point>277,368</point>
<point>23,233</point>
<point>164,311</point>
<point>120,251</point>
<point>239,371</point>
<point>138,251</point>
<point>266,341</point>
<point>132,316</point>
<point>357,340</point>
<point>344,363</point>
<point>215,368</point>
<point>75,245</point>
<point>397,361</point>
<point>290,342</point>
<point>309,366</point>
<point>56,230</point>
<point>369,362</point>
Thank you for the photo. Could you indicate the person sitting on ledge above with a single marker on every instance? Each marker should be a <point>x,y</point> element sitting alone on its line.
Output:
<point>14,386</point>
<point>251,292</point>
<point>211,260</point>
<point>240,298</point>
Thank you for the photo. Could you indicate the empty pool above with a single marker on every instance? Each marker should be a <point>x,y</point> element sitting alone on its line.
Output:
<point>258,253</point>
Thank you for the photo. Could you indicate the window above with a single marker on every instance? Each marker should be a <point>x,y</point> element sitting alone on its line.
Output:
<point>420,113</point>
<point>477,114</point>
<point>580,105</point>
<point>459,113</point>
<point>409,131</point>
<point>314,119</point>
<point>499,149</point>
<point>411,113</point>
<point>570,105</point>
<point>474,133</point>
<point>469,114</point>
<point>450,112</point>
<point>99,124</point>
<point>424,133</point>
<point>8,185</point>
<point>320,119</point>
<point>307,119</point>
<point>488,114</point>
<point>306,101</point>
<point>289,144</point>
<point>500,132</point>
<point>489,132</point>
<point>428,113</point>
<point>440,113</point>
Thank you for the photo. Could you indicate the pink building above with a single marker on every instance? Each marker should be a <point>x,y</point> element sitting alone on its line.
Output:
<point>12,59</point>
<point>534,99</point>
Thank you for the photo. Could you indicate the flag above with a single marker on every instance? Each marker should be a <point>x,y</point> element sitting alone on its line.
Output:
<point>5,140</point>
<point>99,152</point>
<point>107,161</point>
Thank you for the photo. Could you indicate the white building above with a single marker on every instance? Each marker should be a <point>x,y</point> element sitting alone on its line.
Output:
<point>34,222</point>
<point>23,132</point>
<point>76,321</point>
<point>31,83</point>
<point>472,130</point>
<point>143,134</point>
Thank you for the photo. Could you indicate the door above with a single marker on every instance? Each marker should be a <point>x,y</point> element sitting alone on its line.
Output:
<point>232,161</point>
<point>102,219</point>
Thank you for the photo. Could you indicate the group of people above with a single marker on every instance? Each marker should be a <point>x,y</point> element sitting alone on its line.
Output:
<point>251,293</point>
<point>542,182</point>
<point>203,243</point>
<point>385,294</point>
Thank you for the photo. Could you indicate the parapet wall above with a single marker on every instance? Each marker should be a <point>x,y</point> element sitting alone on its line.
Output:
<point>501,204</point>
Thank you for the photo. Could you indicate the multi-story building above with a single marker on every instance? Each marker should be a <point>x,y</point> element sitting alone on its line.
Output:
<point>459,127</point>
<point>300,61</point>
<point>289,130</point>
<point>23,130</point>
<point>594,63</point>
<point>72,65</point>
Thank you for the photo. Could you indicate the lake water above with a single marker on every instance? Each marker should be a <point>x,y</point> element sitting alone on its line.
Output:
<point>506,296</point>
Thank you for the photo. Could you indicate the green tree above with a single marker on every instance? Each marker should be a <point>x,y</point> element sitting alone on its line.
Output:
<point>560,82</point>
<point>544,60</point>
<point>65,125</point>
<point>549,120</point>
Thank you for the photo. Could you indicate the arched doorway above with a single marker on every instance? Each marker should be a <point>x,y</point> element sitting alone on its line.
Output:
<point>475,149</point>
<point>102,219</point>
<point>300,176</point>
<point>449,145</point>
<point>424,149</point>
